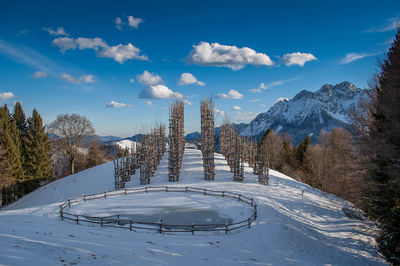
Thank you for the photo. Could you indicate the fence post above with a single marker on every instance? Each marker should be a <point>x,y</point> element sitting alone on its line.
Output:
<point>77,219</point>
<point>248,220</point>
<point>101,220</point>
<point>223,193</point>
<point>186,189</point>
<point>166,188</point>
<point>161,227</point>
<point>130,225</point>
<point>105,195</point>
<point>239,197</point>
<point>192,229</point>
<point>226,229</point>
<point>118,220</point>
<point>84,197</point>
<point>204,191</point>
<point>69,203</point>
<point>62,215</point>
<point>125,191</point>
<point>145,189</point>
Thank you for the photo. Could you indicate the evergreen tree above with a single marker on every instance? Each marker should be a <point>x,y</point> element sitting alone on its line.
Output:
<point>384,148</point>
<point>302,149</point>
<point>38,160</point>
<point>95,156</point>
<point>20,120</point>
<point>11,143</point>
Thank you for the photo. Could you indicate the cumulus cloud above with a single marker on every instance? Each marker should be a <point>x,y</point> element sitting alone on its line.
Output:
<point>81,79</point>
<point>149,79</point>
<point>281,99</point>
<point>39,74</point>
<point>232,94</point>
<point>114,104</point>
<point>219,112</point>
<point>4,96</point>
<point>215,54</point>
<point>159,92</point>
<point>132,22</point>
<point>237,108</point>
<point>59,31</point>
<point>297,58</point>
<point>118,23</point>
<point>187,78</point>
<point>119,53</point>
<point>65,43</point>
<point>351,57</point>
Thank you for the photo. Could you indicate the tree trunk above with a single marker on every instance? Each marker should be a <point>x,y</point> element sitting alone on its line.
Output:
<point>72,166</point>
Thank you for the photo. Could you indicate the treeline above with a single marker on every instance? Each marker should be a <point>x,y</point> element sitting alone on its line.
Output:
<point>331,165</point>
<point>25,158</point>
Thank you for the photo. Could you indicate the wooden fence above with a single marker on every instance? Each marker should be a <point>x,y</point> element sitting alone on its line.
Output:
<point>118,222</point>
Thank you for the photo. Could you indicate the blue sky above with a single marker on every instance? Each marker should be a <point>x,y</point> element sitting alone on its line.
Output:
<point>120,63</point>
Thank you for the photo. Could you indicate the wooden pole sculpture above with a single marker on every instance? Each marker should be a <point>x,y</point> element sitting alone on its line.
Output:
<point>176,141</point>
<point>207,138</point>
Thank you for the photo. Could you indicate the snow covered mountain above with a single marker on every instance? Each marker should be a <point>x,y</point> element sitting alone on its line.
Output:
<point>309,112</point>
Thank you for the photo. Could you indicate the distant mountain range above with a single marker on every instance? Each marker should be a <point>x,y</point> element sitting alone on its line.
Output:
<point>304,115</point>
<point>309,112</point>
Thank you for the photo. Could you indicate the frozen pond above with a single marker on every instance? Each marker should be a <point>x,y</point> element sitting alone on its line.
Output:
<point>172,207</point>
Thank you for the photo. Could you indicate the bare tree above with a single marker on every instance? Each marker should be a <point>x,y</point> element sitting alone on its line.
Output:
<point>69,130</point>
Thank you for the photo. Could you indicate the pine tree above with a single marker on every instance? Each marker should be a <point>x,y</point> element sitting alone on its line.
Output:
<point>384,148</point>
<point>11,143</point>
<point>38,148</point>
<point>20,120</point>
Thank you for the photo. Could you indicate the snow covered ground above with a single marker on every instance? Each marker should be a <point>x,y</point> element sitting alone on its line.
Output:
<point>296,224</point>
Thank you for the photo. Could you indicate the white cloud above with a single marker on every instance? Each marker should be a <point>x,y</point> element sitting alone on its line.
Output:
<point>39,74</point>
<point>132,80</point>
<point>232,94</point>
<point>219,112</point>
<point>262,85</point>
<point>65,43</point>
<point>297,58</point>
<point>254,100</point>
<point>118,23</point>
<point>4,96</point>
<point>237,108</point>
<point>119,53</point>
<point>281,99</point>
<point>149,103</point>
<point>259,89</point>
<point>149,79</point>
<point>134,22</point>
<point>81,79</point>
<point>114,104</point>
<point>159,92</point>
<point>391,24</point>
<point>187,78</point>
<point>187,102</point>
<point>59,31</point>
<point>351,57</point>
<point>90,43</point>
<point>215,54</point>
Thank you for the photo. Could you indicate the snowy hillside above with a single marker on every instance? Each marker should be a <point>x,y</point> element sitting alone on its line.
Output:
<point>126,144</point>
<point>296,224</point>
<point>308,112</point>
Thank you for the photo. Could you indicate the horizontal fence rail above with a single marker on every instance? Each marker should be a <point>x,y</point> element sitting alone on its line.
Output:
<point>117,221</point>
